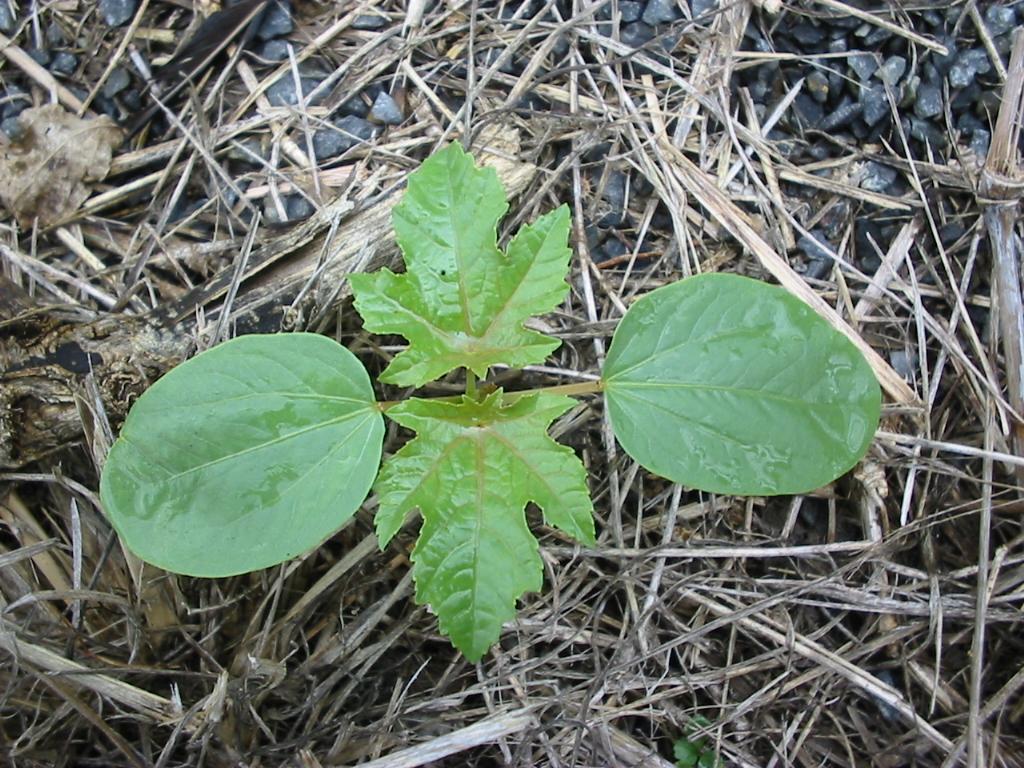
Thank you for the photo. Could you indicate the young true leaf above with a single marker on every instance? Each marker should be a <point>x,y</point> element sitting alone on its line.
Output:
<point>733,386</point>
<point>461,302</point>
<point>470,471</point>
<point>246,455</point>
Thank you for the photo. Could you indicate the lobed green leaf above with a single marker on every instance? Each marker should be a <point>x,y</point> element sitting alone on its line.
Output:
<point>461,302</point>
<point>246,455</point>
<point>734,386</point>
<point>470,471</point>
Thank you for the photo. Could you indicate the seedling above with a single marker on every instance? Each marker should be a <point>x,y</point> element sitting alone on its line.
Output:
<point>691,750</point>
<point>259,449</point>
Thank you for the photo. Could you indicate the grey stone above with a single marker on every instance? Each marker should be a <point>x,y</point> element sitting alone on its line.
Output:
<point>636,34</point>
<point>54,34</point>
<point>807,34</point>
<point>298,207</point>
<point>902,363</point>
<point>817,85</point>
<point>274,50</point>
<point>699,8</point>
<point>13,101</point>
<point>385,110</point>
<point>661,12</point>
<point>64,63</point>
<point>926,132</point>
<point>117,12</point>
<point>877,177</point>
<point>815,247</point>
<point>615,196</point>
<point>346,133</point>
<point>631,11</point>
<point>863,65</point>
<point>842,115</point>
<point>12,127</point>
<point>892,70</point>
<point>369,22</point>
<point>40,56</point>
<point>809,111</point>
<point>283,94</point>
<point>277,20</point>
<point>7,20</point>
<point>928,102</point>
<point>875,104</point>
<point>119,80</point>
<point>999,19</point>
<point>980,141</point>
<point>968,64</point>
<point>978,60</point>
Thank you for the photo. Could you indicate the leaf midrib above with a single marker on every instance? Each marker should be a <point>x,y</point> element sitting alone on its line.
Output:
<point>276,441</point>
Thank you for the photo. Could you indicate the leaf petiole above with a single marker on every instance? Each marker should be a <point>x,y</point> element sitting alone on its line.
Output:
<point>572,390</point>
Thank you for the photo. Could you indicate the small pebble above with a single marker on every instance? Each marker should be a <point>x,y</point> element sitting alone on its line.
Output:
<point>928,102</point>
<point>661,12</point>
<point>283,94</point>
<point>631,11</point>
<point>810,112</point>
<point>54,34</point>
<point>274,50</point>
<point>999,19</point>
<point>12,127</point>
<point>700,8</point>
<point>636,34</point>
<point>817,85</point>
<point>892,70</point>
<point>277,20</point>
<point>297,207</point>
<point>117,12</point>
<point>119,80</point>
<point>385,110</point>
<point>64,63</point>
<point>815,247</point>
<point>348,131</point>
<point>809,35</point>
<point>40,56</point>
<point>863,65</point>
<point>842,116</point>
<point>875,104</point>
<point>980,141</point>
<point>13,101</point>
<point>902,363</point>
<point>7,20</point>
<point>877,177</point>
<point>369,22</point>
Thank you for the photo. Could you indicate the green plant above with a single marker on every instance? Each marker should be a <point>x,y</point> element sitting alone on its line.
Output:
<point>259,449</point>
<point>690,751</point>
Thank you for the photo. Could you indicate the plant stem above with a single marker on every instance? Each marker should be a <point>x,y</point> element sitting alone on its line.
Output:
<point>470,384</point>
<point>573,390</point>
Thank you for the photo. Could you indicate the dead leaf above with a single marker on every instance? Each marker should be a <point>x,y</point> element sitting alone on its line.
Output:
<point>43,174</point>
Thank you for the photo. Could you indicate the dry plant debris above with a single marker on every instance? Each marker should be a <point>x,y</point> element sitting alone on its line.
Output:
<point>834,147</point>
<point>44,170</point>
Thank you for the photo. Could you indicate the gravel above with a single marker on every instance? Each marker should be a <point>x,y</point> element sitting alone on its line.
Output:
<point>385,110</point>
<point>661,12</point>
<point>283,93</point>
<point>118,81</point>
<point>277,20</point>
<point>64,63</point>
<point>929,101</point>
<point>345,134</point>
<point>116,13</point>
<point>7,20</point>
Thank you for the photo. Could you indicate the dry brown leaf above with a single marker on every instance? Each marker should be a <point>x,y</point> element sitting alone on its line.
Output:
<point>43,174</point>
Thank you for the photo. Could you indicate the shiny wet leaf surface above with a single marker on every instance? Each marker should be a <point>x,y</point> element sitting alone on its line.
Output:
<point>731,385</point>
<point>246,455</point>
